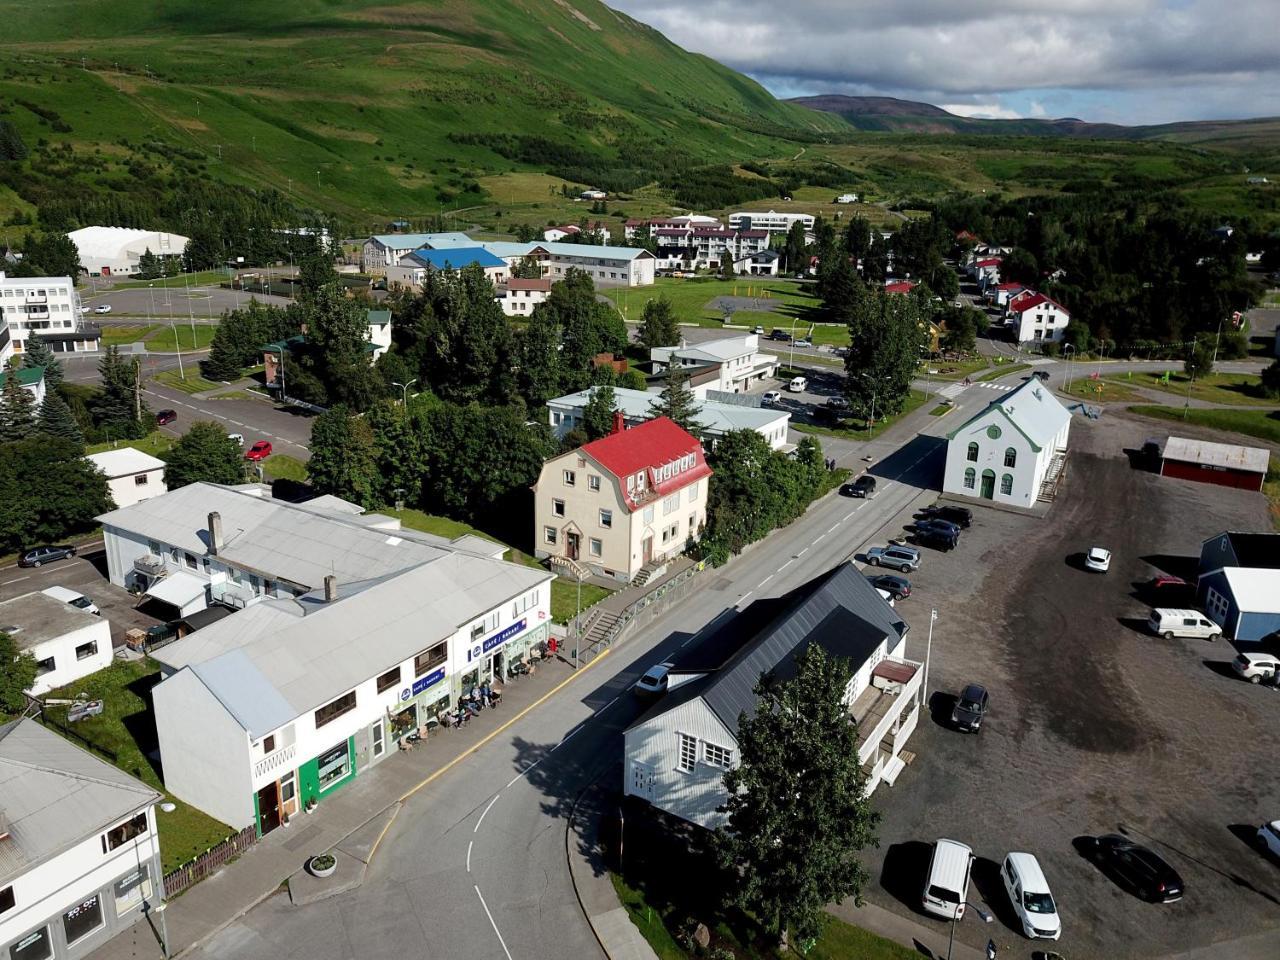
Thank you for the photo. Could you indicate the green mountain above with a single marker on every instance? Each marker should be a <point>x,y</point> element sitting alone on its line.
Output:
<point>373,108</point>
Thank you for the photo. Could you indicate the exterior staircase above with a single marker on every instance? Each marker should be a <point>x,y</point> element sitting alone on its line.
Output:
<point>570,568</point>
<point>648,572</point>
<point>1053,477</point>
<point>598,626</point>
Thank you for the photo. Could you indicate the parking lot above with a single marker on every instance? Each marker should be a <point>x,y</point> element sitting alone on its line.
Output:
<point>1095,725</point>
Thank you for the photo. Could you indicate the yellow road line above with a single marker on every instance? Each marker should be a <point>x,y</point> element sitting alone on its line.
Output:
<point>390,821</point>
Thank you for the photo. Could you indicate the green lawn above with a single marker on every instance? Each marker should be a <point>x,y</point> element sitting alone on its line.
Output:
<point>955,369</point>
<point>189,338</point>
<point>1240,389</point>
<point>1263,424</point>
<point>1102,391</point>
<point>430,523</point>
<point>127,728</point>
<point>281,466</point>
<point>202,278</point>
<point>116,335</point>
<point>784,299</point>
<point>1271,489</point>
<point>856,429</point>
<point>157,444</point>
<point>564,598</point>
<point>1004,370</point>
<point>194,383</point>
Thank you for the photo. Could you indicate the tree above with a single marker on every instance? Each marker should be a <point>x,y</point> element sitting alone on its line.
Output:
<point>1199,362</point>
<point>149,265</point>
<point>795,252</point>
<point>337,347</point>
<point>17,408</point>
<point>597,415</point>
<point>885,341</point>
<point>797,812</point>
<point>464,340</point>
<point>857,238</point>
<point>115,408</point>
<point>538,349</point>
<point>39,355</point>
<point>11,146</point>
<point>204,454</point>
<point>677,402</point>
<point>1020,265</point>
<point>56,419</point>
<point>875,265</point>
<point>343,457</point>
<point>51,255</point>
<point>726,266</point>
<point>658,326</point>
<point>1271,380</point>
<point>47,491</point>
<point>587,327</point>
<point>529,268</point>
<point>633,380</point>
<point>238,340</point>
<point>842,292</point>
<point>17,671</point>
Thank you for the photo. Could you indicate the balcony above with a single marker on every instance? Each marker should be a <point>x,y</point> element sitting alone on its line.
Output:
<point>882,709</point>
<point>274,761</point>
<point>149,565</point>
<point>40,314</point>
<point>34,297</point>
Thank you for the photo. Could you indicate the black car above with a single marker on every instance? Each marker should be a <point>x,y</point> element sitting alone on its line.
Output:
<point>779,335</point>
<point>42,555</point>
<point>971,708</point>
<point>897,587</point>
<point>1041,375</point>
<point>1134,866</point>
<point>962,517</point>
<point>930,536</point>
<point>864,486</point>
<point>166,416</point>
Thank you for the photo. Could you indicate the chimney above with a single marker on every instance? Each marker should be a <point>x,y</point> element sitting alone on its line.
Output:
<point>330,588</point>
<point>619,421</point>
<point>215,533</point>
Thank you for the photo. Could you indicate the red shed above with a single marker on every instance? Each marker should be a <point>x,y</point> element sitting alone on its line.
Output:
<point>1226,464</point>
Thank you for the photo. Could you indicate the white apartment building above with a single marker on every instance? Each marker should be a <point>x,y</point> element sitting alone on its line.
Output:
<point>738,360</point>
<point>772,222</point>
<point>79,852</point>
<point>132,476</point>
<point>703,247</point>
<point>66,642</point>
<point>518,296</point>
<point>385,250</point>
<point>117,251</point>
<point>1034,318</point>
<point>45,306</point>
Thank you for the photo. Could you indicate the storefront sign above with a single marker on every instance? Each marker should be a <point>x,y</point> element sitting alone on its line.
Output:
<point>502,636</point>
<point>435,676</point>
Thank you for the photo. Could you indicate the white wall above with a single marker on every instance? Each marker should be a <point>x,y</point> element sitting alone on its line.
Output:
<point>126,491</point>
<point>1028,470</point>
<point>67,668</point>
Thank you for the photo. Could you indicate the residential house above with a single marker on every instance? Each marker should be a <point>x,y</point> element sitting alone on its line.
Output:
<point>593,195</point>
<point>31,379</point>
<point>597,227</point>
<point>1239,584</point>
<point>1002,293</point>
<point>847,198</point>
<point>519,296</point>
<point>899,286</point>
<point>132,476</point>
<point>1013,451</point>
<point>1034,318</point>
<point>67,643</point>
<point>762,263</point>
<point>617,505</point>
<point>738,360</point>
<point>984,270</point>
<point>771,222</point>
<point>718,418</point>
<point>676,754</point>
<point>385,250</point>
<point>118,251</point>
<point>81,853</point>
<point>44,307</point>
<point>411,270</point>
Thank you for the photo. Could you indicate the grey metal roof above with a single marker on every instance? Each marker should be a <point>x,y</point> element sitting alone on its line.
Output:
<point>53,795</point>
<point>36,617</point>
<point>1031,409</point>
<point>279,659</point>
<point>717,417</point>
<point>1234,456</point>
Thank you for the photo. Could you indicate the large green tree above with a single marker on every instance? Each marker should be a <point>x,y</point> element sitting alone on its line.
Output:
<point>886,340</point>
<point>538,349</point>
<point>677,402</point>
<point>50,255</point>
<point>17,675</point>
<point>658,325</point>
<point>204,454</point>
<point>47,491</point>
<point>343,457</point>
<point>115,407</point>
<point>17,408</point>
<point>597,415</point>
<point>337,348</point>
<point>56,419</point>
<point>240,335</point>
<point>587,327</point>
<point>38,354</point>
<point>465,344</point>
<point>795,251</point>
<point>798,814</point>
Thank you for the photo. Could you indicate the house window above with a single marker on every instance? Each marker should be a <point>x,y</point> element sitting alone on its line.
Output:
<point>570,478</point>
<point>717,756</point>
<point>693,523</point>
<point>693,492</point>
<point>433,657</point>
<point>87,650</point>
<point>606,519</point>
<point>593,484</point>
<point>131,890</point>
<point>1010,457</point>
<point>388,680</point>
<point>82,919</point>
<point>670,533</point>
<point>671,504</point>
<point>557,507</point>
<point>972,455</point>
<point>140,480</point>
<point>118,836</point>
<point>970,477</point>
<point>6,899</point>
<point>44,666</point>
<point>334,709</point>
<point>688,753</point>
<point>549,534</point>
<point>333,765</point>
<point>648,514</point>
<point>597,547</point>
<point>269,744</point>
<point>1006,484</point>
<point>34,946</point>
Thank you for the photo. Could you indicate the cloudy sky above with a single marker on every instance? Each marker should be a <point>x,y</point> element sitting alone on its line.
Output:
<point>1123,61</point>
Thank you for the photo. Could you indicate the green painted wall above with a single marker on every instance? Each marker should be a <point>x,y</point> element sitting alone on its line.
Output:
<point>309,776</point>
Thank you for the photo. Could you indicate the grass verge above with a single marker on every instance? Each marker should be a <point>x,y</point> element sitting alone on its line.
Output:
<point>1271,490</point>
<point>201,278</point>
<point>941,410</point>
<point>281,466</point>
<point>1004,370</point>
<point>956,369</point>
<point>188,338</point>
<point>126,728</point>
<point>194,383</point>
<point>115,336</point>
<point>855,429</point>
<point>1102,391</point>
<point>1240,389</point>
<point>157,444</point>
<point>1263,424</point>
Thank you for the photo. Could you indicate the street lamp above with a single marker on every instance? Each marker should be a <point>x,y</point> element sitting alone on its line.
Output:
<point>177,346</point>
<point>928,653</point>
<point>1066,352</point>
<point>1217,337</point>
<point>404,391</point>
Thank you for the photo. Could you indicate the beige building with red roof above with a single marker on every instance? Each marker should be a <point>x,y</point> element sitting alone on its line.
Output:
<point>616,505</point>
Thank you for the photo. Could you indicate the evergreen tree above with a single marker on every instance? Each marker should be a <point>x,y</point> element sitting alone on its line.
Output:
<point>149,266</point>
<point>17,408</point>
<point>842,292</point>
<point>886,335</point>
<point>677,402</point>
<point>726,266</point>
<point>39,355</point>
<point>114,408</point>
<point>343,457</point>
<point>795,253</point>
<point>11,146</point>
<point>18,668</point>
<point>1271,380</point>
<point>56,419</point>
<point>204,454</point>
<point>658,326</point>
<point>597,415</point>
<point>857,238</point>
<point>337,347</point>
<point>51,255</point>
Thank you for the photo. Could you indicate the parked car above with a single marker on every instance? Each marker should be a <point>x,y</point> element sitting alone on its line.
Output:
<point>236,438</point>
<point>864,487</point>
<point>937,533</point>
<point>798,385</point>
<point>962,517</point>
<point>259,451</point>
<point>1029,893</point>
<point>946,888</point>
<point>653,682</point>
<point>1163,583</point>
<point>1041,375</point>
<point>102,308</point>
<point>1256,667</point>
<point>801,344</point>
<point>1138,869</point>
<point>897,587</point>
<point>837,403</point>
<point>770,397</point>
<point>1098,560</point>
<point>777,334</point>
<point>896,557</point>
<point>76,599</point>
<point>38,556</point>
<point>971,708</point>
<point>1171,622</point>
<point>758,330</point>
<point>166,416</point>
<point>84,310</point>
<point>1269,837</point>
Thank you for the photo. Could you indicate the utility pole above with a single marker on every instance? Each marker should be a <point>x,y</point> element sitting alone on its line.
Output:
<point>137,389</point>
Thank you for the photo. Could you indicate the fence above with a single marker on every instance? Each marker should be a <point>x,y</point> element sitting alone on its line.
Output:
<point>651,604</point>
<point>193,871</point>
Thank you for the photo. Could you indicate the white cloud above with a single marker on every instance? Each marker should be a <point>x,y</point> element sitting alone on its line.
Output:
<point>981,111</point>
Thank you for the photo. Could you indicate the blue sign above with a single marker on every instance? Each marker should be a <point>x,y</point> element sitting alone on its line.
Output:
<point>502,636</point>
<point>435,676</point>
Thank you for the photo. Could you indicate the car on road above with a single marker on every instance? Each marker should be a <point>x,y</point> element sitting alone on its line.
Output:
<point>895,556</point>
<point>777,334</point>
<point>166,416</point>
<point>801,344</point>
<point>971,708</point>
<point>1269,838</point>
<point>899,588</point>
<point>38,556</point>
<point>74,598</point>
<point>797,385</point>
<point>102,308</point>
<point>863,488</point>
<point>1098,560</point>
<point>259,451</point>
<point>1169,623</point>
<point>962,517</point>
<point>1041,375</point>
<point>653,682</point>
<point>770,397</point>
<point>758,330</point>
<point>1029,894</point>
<point>1257,667</point>
<point>1140,870</point>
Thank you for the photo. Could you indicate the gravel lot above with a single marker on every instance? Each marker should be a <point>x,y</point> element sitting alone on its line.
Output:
<point>1095,726</point>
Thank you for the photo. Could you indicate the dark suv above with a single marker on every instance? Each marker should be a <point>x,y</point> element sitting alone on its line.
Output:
<point>971,708</point>
<point>937,533</point>
<point>864,487</point>
<point>779,335</point>
<point>962,517</point>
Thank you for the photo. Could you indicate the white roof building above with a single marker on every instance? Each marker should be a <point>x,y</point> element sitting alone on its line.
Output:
<point>67,643</point>
<point>111,251</point>
<point>738,360</point>
<point>132,476</point>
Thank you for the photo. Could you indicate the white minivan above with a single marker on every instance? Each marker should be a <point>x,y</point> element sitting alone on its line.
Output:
<point>1029,893</point>
<point>947,887</point>
<point>77,600</point>
<point>1168,623</point>
<point>797,384</point>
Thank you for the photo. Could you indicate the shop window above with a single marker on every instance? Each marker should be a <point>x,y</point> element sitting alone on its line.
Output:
<point>82,919</point>
<point>130,891</point>
<point>334,709</point>
<point>431,657</point>
<point>87,650</point>
<point>118,836</point>
<point>333,765</point>
<point>388,680</point>
<point>34,946</point>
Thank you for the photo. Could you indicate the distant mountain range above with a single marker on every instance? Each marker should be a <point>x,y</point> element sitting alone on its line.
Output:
<point>889,114</point>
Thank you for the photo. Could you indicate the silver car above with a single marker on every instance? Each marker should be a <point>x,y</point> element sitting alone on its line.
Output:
<point>895,557</point>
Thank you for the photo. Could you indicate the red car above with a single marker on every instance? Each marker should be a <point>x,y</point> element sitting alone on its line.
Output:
<point>259,451</point>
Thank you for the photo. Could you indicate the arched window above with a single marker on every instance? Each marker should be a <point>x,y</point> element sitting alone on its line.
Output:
<point>1006,484</point>
<point>1010,457</point>
<point>970,476</point>
<point>973,452</point>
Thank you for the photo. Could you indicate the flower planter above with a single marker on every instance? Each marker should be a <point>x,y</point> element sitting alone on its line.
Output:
<point>322,866</point>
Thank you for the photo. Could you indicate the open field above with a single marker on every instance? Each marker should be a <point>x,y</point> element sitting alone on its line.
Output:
<point>281,466</point>
<point>1233,388</point>
<point>188,338</point>
<point>694,300</point>
<point>1263,424</point>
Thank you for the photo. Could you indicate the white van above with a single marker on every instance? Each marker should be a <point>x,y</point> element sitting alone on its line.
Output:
<point>947,888</point>
<point>1029,893</point>
<point>77,600</point>
<point>798,384</point>
<point>1169,623</point>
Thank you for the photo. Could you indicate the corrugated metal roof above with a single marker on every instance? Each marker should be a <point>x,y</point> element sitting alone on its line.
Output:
<point>457,258</point>
<point>1031,408</point>
<point>1229,455</point>
<point>716,416</point>
<point>54,795</point>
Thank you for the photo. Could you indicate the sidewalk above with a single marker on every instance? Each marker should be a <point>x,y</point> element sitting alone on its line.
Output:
<point>210,906</point>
